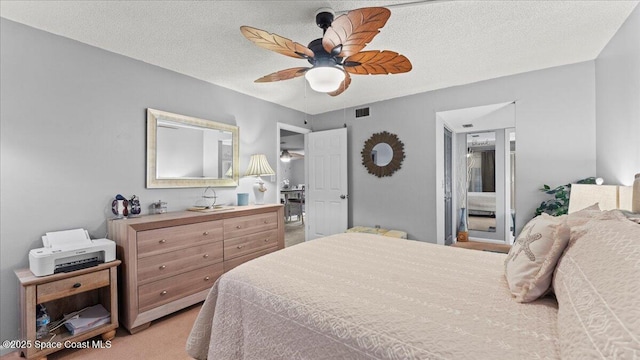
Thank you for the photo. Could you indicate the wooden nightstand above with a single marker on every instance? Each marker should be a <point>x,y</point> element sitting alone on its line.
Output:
<point>65,293</point>
<point>478,245</point>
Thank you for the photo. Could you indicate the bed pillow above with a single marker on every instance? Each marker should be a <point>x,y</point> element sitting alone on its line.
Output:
<point>581,217</point>
<point>635,217</point>
<point>532,259</point>
<point>597,285</point>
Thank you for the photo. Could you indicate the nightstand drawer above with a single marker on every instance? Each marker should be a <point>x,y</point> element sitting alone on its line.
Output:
<point>173,288</point>
<point>250,243</point>
<point>250,225</point>
<point>70,286</point>
<point>152,242</point>
<point>156,267</point>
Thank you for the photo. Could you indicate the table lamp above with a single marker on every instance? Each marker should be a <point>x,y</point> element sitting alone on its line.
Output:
<point>258,166</point>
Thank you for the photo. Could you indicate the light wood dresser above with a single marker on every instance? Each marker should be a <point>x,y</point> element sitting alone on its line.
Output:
<point>171,260</point>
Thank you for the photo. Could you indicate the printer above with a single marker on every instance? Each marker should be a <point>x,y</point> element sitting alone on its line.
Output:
<point>70,250</point>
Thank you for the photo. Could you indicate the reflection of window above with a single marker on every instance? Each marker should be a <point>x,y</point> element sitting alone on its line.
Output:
<point>482,172</point>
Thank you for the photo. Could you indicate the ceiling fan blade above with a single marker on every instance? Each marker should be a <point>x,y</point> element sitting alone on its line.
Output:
<point>283,74</point>
<point>377,63</point>
<point>344,85</point>
<point>276,43</point>
<point>351,32</point>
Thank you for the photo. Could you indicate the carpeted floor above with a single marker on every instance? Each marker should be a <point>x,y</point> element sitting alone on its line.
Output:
<point>293,233</point>
<point>166,338</point>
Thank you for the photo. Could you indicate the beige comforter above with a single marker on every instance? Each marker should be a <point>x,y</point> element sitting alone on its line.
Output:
<point>363,296</point>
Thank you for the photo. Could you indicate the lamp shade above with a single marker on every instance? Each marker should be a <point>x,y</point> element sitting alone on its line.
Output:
<point>324,78</point>
<point>258,165</point>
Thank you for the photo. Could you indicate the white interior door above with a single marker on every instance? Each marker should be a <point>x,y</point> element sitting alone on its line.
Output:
<point>327,201</point>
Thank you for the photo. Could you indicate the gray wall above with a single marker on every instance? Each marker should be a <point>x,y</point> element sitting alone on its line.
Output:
<point>72,131</point>
<point>297,172</point>
<point>555,130</point>
<point>618,105</point>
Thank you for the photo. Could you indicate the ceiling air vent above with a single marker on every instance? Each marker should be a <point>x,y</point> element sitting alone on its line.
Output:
<point>362,112</point>
<point>467,125</point>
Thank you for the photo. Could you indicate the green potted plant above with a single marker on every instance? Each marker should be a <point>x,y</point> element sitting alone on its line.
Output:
<point>559,204</point>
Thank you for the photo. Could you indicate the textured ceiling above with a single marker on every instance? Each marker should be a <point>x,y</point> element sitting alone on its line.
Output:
<point>449,42</point>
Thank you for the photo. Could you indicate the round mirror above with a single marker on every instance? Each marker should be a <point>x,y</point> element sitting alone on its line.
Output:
<point>383,154</point>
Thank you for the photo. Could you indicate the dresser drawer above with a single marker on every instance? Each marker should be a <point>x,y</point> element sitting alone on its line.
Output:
<point>160,266</point>
<point>250,243</point>
<point>176,287</point>
<point>230,264</point>
<point>70,286</point>
<point>250,224</point>
<point>152,242</point>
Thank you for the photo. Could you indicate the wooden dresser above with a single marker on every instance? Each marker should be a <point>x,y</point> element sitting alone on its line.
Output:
<point>170,261</point>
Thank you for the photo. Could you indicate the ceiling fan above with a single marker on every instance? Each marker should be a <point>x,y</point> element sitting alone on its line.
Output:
<point>337,54</point>
<point>287,156</point>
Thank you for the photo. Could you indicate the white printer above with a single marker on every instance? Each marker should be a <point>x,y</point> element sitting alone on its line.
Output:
<point>70,250</point>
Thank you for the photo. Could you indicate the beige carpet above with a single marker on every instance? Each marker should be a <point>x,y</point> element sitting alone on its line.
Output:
<point>166,338</point>
<point>293,233</point>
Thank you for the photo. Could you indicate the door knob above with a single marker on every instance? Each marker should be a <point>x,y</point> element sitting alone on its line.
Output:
<point>344,196</point>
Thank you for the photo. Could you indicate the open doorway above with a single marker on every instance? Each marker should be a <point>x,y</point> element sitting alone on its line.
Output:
<point>291,180</point>
<point>483,169</point>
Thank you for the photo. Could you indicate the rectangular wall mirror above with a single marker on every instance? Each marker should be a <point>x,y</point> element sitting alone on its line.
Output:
<point>184,151</point>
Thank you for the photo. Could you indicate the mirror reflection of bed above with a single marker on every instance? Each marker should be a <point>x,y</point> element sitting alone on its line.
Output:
<point>482,211</point>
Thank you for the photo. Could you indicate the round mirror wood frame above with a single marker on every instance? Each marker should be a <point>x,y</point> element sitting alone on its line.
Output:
<point>398,154</point>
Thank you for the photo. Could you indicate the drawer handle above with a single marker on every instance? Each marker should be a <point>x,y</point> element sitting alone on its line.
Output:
<point>205,256</point>
<point>265,240</point>
<point>205,233</point>
<point>162,241</point>
<point>238,227</point>
<point>207,278</point>
<point>76,285</point>
<point>163,293</point>
<point>265,221</point>
<point>162,267</point>
<point>240,246</point>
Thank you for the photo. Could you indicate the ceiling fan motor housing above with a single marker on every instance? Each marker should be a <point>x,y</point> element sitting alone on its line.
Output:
<point>322,57</point>
<point>324,18</point>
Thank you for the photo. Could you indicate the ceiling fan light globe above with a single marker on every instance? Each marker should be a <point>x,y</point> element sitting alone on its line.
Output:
<point>285,156</point>
<point>325,78</point>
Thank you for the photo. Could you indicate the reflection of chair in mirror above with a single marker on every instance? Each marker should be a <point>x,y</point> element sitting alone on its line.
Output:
<point>294,205</point>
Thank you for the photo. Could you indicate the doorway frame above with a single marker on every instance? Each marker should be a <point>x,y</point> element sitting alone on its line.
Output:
<point>440,125</point>
<point>299,130</point>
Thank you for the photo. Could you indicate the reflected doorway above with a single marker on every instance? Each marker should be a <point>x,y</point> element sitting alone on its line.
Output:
<point>490,184</point>
<point>483,167</point>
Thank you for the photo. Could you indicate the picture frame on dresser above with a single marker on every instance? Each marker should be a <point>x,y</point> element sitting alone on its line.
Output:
<point>171,260</point>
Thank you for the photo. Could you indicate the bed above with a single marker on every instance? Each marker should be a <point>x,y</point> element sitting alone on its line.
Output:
<point>481,214</point>
<point>364,296</point>
<point>481,203</point>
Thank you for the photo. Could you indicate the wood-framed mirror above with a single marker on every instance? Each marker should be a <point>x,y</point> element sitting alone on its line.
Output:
<point>383,154</point>
<point>184,151</point>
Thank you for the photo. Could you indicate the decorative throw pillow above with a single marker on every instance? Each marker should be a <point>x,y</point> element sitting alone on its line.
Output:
<point>532,259</point>
<point>597,284</point>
